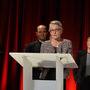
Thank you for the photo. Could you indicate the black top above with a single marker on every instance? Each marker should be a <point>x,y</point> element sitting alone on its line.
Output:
<point>33,47</point>
<point>81,62</point>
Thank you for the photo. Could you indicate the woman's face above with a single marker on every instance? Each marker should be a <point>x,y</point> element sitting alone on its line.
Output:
<point>55,31</point>
<point>88,42</point>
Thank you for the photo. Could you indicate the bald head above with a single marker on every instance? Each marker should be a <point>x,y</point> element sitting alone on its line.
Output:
<point>41,32</point>
<point>41,27</point>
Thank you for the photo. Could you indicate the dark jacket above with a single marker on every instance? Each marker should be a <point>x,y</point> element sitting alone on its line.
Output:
<point>81,62</point>
<point>33,47</point>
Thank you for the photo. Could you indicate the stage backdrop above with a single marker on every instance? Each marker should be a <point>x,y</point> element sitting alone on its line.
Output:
<point>18,22</point>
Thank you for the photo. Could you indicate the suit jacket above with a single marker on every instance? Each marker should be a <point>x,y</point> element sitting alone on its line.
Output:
<point>81,62</point>
<point>33,47</point>
<point>64,47</point>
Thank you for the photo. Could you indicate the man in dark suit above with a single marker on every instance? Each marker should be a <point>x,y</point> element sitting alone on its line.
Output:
<point>34,47</point>
<point>82,74</point>
<point>41,33</point>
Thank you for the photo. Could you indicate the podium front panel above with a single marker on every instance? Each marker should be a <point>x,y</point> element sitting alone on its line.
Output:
<point>44,85</point>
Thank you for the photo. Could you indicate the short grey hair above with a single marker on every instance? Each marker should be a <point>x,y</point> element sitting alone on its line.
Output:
<point>56,22</point>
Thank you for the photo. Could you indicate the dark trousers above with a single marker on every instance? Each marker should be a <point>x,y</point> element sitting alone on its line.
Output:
<point>85,84</point>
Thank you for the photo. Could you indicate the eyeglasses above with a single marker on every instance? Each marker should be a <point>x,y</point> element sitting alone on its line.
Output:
<point>55,29</point>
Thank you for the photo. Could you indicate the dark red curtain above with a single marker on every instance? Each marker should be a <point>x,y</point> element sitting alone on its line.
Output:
<point>18,21</point>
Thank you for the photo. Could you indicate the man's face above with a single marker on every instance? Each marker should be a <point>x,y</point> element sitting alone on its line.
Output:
<point>55,31</point>
<point>88,42</point>
<point>41,33</point>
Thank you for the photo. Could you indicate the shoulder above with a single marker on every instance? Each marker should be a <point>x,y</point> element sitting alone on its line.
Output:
<point>82,52</point>
<point>32,43</point>
<point>46,42</point>
<point>30,46</point>
<point>67,40</point>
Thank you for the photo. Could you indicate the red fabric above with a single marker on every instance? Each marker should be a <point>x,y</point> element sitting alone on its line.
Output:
<point>21,80</point>
<point>5,66</point>
<point>4,73</point>
<point>70,82</point>
<point>18,21</point>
